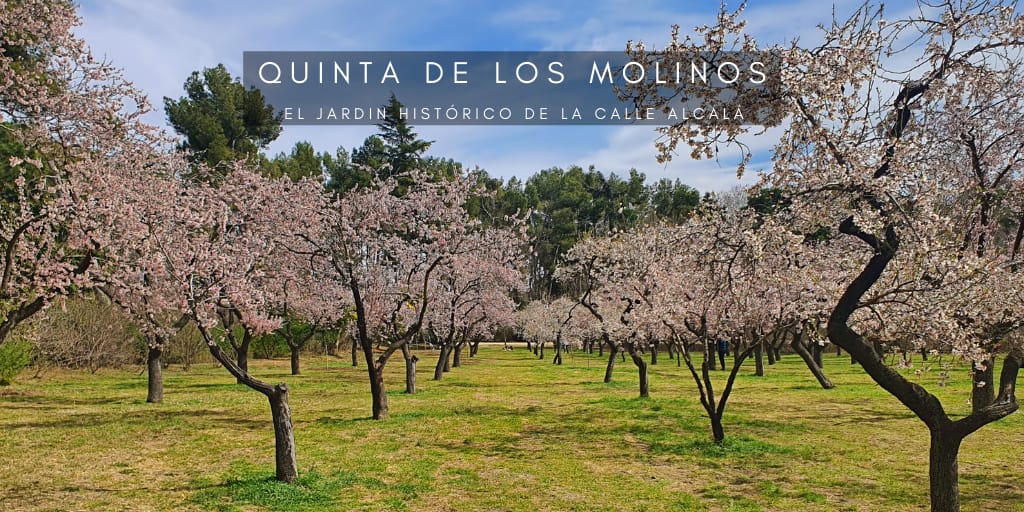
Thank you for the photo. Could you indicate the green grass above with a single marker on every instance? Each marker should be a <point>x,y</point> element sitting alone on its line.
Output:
<point>504,432</point>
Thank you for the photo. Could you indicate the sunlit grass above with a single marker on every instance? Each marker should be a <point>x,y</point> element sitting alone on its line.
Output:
<point>504,432</point>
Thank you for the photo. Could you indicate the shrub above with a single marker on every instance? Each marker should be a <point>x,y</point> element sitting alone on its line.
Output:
<point>87,333</point>
<point>15,356</point>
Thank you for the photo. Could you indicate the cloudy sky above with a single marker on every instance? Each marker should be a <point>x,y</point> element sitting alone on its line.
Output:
<point>159,43</point>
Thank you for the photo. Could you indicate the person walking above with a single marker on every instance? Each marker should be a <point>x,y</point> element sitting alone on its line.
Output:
<point>723,350</point>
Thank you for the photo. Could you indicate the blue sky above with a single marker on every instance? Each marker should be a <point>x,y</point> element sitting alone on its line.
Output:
<point>159,42</point>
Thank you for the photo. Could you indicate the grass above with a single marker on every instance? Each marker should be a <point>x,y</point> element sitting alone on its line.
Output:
<point>503,432</point>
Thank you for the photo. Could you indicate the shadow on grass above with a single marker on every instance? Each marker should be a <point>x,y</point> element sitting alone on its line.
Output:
<point>145,418</point>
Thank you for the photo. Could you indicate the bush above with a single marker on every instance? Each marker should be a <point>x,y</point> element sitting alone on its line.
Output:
<point>187,348</point>
<point>269,346</point>
<point>87,333</point>
<point>15,356</point>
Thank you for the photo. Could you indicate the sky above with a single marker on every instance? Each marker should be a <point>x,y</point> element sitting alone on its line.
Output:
<point>158,43</point>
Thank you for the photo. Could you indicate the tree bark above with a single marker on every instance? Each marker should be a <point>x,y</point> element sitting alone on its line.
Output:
<point>654,354</point>
<point>442,357</point>
<point>816,370</point>
<point>717,431</point>
<point>558,353</point>
<point>284,435</point>
<point>457,358</point>
<point>410,370</point>
<point>983,390</point>
<point>771,355</point>
<point>155,371</point>
<point>242,352</point>
<point>641,366</point>
<point>611,364</point>
<point>295,359</point>
<point>816,350</point>
<point>943,471</point>
<point>377,392</point>
<point>355,353</point>
<point>759,358</point>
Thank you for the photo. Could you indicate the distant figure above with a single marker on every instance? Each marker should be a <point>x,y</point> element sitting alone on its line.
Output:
<point>723,350</point>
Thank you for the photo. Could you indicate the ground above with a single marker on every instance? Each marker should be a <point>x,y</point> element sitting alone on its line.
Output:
<point>503,432</point>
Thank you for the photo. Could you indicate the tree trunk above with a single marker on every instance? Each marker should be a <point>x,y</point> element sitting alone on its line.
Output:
<point>155,369</point>
<point>242,355</point>
<point>541,355</point>
<point>983,390</point>
<point>717,432</point>
<point>474,347</point>
<point>942,471</point>
<point>771,355</point>
<point>284,435</point>
<point>600,349</point>
<point>816,350</point>
<point>778,353</point>
<point>295,359</point>
<point>377,392</point>
<point>641,366</point>
<point>654,354</point>
<point>448,359</point>
<point>442,357</point>
<point>457,358</point>
<point>611,364</point>
<point>758,358</point>
<point>816,370</point>
<point>924,354</point>
<point>558,353</point>
<point>879,349</point>
<point>355,353</point>
<point>410,369</point>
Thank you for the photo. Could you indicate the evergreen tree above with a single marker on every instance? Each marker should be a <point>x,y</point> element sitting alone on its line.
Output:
<point>220,120</point>
<point>403,148</point>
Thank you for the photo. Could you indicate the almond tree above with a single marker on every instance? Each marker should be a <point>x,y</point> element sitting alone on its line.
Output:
<point>617,281</point>
<point>471,293</point>
<point>886,145</point>
<point>384,244</point>
<point>215,247</point>
<point>305,304</point>
<point>72,119</point>
<point>538,322</point>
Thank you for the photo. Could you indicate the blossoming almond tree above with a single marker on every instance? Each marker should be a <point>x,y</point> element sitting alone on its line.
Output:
<point>472,290</point>
<point>886,144</point>
<point>385,247</point>
<point>216,247</point>
<point>617,277</point>
<point>72,118</point>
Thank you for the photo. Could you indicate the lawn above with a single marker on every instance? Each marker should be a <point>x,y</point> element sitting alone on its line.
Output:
<point>503,432</point>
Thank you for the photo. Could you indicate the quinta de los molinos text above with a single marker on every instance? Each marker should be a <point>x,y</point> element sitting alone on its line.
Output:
<point>458,72</point>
